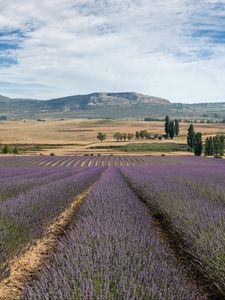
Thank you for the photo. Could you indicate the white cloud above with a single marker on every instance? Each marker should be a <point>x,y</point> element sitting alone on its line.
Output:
<point>84,46</point>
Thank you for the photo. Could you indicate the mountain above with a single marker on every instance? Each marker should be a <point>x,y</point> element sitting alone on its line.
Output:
<point>4,99</point>
<point>107,105</point>
<point>91,105</point>
<point>95,100</point>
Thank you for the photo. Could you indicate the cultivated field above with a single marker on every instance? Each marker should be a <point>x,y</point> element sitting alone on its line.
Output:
<point>112,227</point>
<point>78,136</point>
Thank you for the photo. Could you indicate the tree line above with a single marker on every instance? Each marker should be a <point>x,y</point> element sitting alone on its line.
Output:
<point>142,134</point>
<point>7,149</point>
<point>194,141</point>
<point>214,146</point>
<point>123,136</point>
<point>172,127</point>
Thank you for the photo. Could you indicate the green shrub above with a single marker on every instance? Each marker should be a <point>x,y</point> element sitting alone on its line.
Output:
<point>6,149</point>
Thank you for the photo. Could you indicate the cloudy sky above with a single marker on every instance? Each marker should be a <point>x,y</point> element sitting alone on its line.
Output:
<point>169,48</point>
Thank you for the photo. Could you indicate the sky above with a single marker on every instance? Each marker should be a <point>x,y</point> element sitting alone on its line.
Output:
<point>173,49</point>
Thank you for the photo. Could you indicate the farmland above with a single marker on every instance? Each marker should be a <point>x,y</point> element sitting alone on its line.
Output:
<point>112,227</point>
<point>78,136</point>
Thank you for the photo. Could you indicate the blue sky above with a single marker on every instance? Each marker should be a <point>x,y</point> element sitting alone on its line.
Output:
<point>169,48</point>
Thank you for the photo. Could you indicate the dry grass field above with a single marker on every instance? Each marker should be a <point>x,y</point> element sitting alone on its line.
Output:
<point>77,136</point>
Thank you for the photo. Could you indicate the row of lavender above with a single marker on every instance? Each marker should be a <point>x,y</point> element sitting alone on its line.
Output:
<point>110,160</point>
<point>113,251</point>
<point>30,198</point>
<point>190,201</point>
<point>14,181</point>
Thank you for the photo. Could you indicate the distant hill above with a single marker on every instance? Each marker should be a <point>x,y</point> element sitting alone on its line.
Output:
<point>107,105</point>
<point>106,99</point>
<point>4,99</point>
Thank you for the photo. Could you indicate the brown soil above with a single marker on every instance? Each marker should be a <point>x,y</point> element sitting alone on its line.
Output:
<point>22,268</point>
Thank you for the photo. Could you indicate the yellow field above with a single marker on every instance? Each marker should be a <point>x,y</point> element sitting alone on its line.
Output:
<point>82,133</point>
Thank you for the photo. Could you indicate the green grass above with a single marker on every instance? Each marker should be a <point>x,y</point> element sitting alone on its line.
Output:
<point>143,147</point>
<point>23,148</point>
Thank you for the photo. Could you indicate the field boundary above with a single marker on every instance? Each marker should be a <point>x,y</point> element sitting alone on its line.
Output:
<point>22,268</point>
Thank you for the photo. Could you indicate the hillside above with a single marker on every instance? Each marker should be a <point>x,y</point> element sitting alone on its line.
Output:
<point>91,105</point>
<point>107,105</point>
<point>105,99</point>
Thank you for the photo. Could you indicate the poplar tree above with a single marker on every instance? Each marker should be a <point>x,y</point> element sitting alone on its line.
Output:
<point>221,145</point>
<point>211,152</point>
<point>198,144</point>
<point>171,129</point>
<point>177,127</point>
<point>191,137</point>
<point>216,146</point>
<point>207,147</point>
<point>167,126</point>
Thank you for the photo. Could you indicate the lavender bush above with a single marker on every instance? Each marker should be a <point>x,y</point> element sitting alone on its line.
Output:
<point>24,218</point>
<point>103,160</point>
<point>12,185</point>
<point>191,200</point>
<point>113,251</point>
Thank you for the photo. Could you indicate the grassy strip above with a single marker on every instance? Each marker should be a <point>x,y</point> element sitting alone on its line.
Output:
<point>154,147</point>
<point>22,148</point>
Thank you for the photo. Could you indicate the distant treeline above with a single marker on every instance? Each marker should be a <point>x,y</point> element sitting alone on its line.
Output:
<point>201,121</point>
<point>7,149</point>
<point>214,146</point>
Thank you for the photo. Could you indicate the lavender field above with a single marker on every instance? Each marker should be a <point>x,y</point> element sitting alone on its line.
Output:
<point>150,227</point>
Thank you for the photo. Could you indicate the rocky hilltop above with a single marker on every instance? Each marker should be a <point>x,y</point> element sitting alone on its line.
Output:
<point>106,99</point>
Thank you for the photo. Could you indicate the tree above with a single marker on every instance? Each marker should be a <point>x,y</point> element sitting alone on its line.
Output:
<point>137,135</point>
<point>6,149</point>
<point>171,129</point>
<point>177,127</point>
<point>124,135</point>
<point>130,136</point>
<point>101,136</point>
<point>167,126</point>
<point>216,146</point>
<point>16,150</point>
<point>117,136</point>
<point>198,144</point>
<point>221,145</point>
<point>211,147</point>
<point>207,147</point>
<point>191,137</point>
<point>143,133</point>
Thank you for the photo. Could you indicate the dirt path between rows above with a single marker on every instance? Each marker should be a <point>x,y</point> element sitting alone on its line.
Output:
<point>23,267</point>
